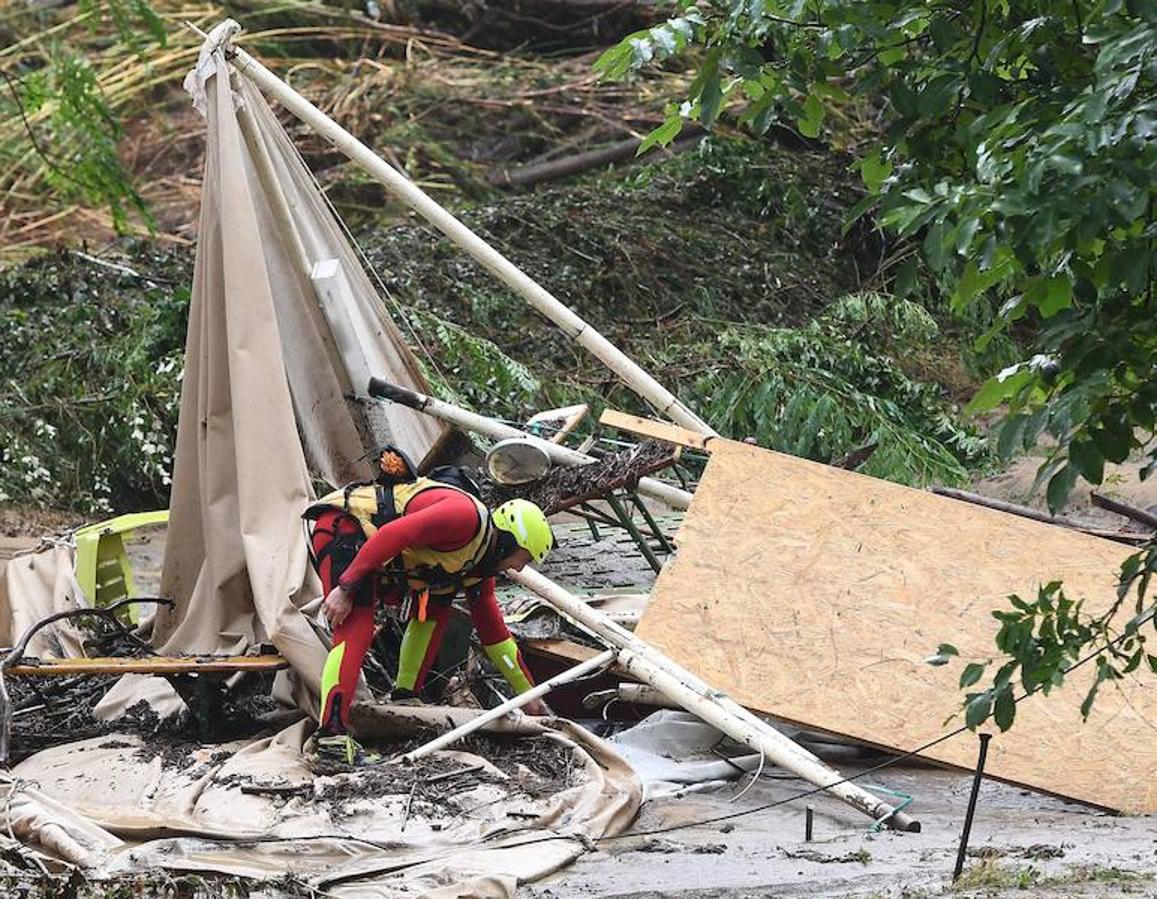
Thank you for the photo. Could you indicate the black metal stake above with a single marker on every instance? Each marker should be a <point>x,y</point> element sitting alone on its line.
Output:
<point>809,816</point>
<point>977,778</point>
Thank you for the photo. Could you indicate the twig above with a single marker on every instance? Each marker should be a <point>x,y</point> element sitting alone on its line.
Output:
<point>409,804</point>
<point>527,175</point>
<point>124,269</point>
<point>17,653</point>
<point>1139,515</point>
<point>451,774</point>
<point>275,789</point>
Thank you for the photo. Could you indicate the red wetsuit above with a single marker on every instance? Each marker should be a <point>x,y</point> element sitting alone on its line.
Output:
<point>439,518</point>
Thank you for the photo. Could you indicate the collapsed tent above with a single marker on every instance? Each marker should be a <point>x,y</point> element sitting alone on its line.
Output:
<point>830,589</point>
<point>284,328</point>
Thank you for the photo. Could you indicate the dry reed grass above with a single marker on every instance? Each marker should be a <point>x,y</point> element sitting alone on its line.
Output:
<point>439,108</point>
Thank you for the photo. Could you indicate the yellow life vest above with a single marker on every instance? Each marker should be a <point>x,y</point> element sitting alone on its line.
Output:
<point>424,568</point>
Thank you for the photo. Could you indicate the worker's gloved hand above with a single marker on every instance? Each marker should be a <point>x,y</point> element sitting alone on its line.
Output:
<point>337,605</point>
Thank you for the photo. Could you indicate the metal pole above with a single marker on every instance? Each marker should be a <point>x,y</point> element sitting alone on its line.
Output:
<point>625,517</point>
<point>480,424</point>
<point>571,674</point>
<point>701,699</point>
<point>976,779</point>
<point>654,525</point>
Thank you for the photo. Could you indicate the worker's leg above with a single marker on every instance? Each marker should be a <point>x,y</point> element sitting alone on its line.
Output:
<point>497,642</point>
<point>420,645</point>
<point>335,541</point>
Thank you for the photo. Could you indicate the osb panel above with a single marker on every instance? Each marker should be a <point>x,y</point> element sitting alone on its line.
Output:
<point>815,594</point>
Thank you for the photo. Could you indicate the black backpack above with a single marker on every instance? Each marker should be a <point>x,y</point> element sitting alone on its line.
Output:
<point>456,476</point>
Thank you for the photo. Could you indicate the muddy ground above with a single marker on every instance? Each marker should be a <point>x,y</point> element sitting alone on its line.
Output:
<point>1021,841</point>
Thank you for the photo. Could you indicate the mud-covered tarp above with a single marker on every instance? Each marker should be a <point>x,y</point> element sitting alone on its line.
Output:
<point>451,825</point>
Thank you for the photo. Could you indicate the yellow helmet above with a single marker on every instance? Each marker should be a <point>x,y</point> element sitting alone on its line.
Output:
<point>527,523</point>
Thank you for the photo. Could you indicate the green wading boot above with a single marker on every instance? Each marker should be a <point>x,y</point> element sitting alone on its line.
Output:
<point>345,749</point>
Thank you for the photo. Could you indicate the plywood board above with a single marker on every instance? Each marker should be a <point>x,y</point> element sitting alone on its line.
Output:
<point>815,594</point>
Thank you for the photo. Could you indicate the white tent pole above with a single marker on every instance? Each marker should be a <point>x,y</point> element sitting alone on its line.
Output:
<point>565,677</point>
<point>480,424</point>
<point>413,196</point>
<point>709,704</point>
<point>278,202</point>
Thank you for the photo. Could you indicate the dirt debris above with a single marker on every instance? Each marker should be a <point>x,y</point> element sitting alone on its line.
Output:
<point>51,711</point>
<point>562,487</point>
<point>670,846</point>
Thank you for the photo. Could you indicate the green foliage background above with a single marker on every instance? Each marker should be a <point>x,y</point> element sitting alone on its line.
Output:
<point>770,341</point>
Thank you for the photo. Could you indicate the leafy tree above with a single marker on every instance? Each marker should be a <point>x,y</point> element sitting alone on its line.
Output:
<point>1017,147</point>
<point>54,113</point>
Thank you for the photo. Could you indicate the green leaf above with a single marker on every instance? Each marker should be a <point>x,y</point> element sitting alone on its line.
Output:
<point>997,389</point>
<point>663,135</point>
<point>977,709</point>
<point>972,673</point>
<point>1114,438</point>
<point>1004,712</point>
<point>975,280</point>
<point>943,655</point>
<point>1087,459</point>
<point>1060,486</point>
<point>875,171</point>
<point>1011,436</point>
<point>812,117</point>
<point>1131,268</point>
<point>1058,295</point>
<point>938,94</point>
<point>710,100</point>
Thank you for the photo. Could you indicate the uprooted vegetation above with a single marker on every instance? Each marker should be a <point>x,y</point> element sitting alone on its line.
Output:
<point>97,137</point>
<point>723,270</point>
<point>727,269</point>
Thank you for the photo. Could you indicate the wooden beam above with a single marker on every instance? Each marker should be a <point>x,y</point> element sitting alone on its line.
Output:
<point>570,415</point>
<point>569,651</point>
<point>149,665</point>
<point>1133,539</point>
<point>1141,516</point>
<point>656,430</point>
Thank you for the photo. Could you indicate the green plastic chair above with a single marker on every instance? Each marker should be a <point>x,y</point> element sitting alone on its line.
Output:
<point>103,569</point>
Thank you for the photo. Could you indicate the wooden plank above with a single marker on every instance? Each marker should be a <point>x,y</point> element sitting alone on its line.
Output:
<point>815,594</point>
<point>150,665</point>
<point>571,416</point>
<point>571,652</point>
<point>656,430</point>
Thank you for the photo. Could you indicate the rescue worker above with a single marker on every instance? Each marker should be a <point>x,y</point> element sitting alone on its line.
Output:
<point>416,543</point>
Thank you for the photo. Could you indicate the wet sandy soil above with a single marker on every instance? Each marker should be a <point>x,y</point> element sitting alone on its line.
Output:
<point>1021,841</point>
